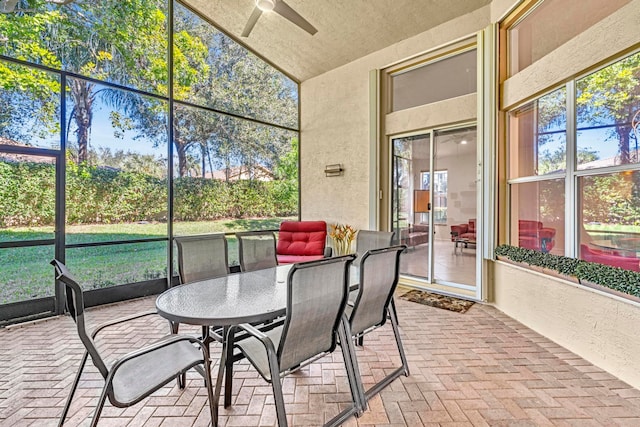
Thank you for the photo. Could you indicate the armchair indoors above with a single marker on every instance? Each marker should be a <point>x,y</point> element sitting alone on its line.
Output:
<point>137,374</point>
<point>464,231</point>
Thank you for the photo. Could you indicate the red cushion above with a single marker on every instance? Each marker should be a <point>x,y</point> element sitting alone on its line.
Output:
<point>302,238</point>
<point>292,259</point>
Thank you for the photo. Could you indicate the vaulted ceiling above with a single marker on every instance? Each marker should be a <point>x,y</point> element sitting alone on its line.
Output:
<point>347,29</point>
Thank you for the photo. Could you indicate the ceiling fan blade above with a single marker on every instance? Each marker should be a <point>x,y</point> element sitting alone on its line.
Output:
<point>285,11</point>
<point>251,22</point>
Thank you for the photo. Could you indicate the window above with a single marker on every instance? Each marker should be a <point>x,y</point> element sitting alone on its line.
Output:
<point>86,103</point>
<point>538,136</point>
<point>436,81</point>
<point>439,194</point>
<point>598,166</point>
<point>551,24</point>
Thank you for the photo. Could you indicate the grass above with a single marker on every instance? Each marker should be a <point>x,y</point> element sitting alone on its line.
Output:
<point>26,273</point>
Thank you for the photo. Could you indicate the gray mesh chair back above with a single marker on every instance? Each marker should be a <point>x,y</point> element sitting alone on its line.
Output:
<point>370,239</point>
<point>317,296</point>
<point>316,300</point>
<point>257,250</point>
<point>378,279</point>
<point>202,257</point>
<point>139,373</point>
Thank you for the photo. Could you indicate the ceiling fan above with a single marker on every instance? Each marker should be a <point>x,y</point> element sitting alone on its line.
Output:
<point>8,6</point>
<point>282,9</point>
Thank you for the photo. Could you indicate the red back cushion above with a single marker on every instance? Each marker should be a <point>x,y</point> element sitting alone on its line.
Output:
<point>472,226</point>
<point>302,238</point>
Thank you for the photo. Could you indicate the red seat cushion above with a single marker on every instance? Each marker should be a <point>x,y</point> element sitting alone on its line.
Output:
<point>292,259</point>
<point>302,238</point>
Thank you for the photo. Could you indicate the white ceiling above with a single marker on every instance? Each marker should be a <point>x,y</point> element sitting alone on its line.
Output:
<point>347,29</point>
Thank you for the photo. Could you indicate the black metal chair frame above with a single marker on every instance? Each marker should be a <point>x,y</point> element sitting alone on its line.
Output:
<point>388,312</point>
<point>275,355</point>
<point>75,306</point>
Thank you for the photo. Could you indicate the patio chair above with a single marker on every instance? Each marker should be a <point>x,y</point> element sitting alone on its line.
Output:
<point>370,239</point>
<point>137,374</point>
<point>201,257</point>
<point>379,272</point>
<point>317,296</point>
<point>257,250</point>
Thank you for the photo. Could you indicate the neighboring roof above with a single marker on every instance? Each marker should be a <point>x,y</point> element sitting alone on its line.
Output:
<point>347,29</point>
<point>258,173</point>
<point>15,157</point>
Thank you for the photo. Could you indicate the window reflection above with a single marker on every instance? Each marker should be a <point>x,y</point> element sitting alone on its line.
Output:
<point>537,215</point>
<point>607,102</point>
<point>538,136</point>
<point>609,212</point>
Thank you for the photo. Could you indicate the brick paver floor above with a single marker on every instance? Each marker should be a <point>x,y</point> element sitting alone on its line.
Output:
<point>474,369</point>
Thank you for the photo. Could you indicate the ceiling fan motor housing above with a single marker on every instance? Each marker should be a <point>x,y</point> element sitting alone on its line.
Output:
<point>265,5</point>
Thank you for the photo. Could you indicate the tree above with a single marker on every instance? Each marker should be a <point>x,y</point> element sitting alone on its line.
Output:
<point>612,96</point>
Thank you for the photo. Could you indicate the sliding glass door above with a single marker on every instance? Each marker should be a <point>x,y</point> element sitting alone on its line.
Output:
<point>434,205</point>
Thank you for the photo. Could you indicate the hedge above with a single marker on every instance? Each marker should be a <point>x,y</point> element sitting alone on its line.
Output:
<point>103,195</point>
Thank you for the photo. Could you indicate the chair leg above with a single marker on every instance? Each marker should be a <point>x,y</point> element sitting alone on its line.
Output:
<point>213,408</point>
<point>101,402</point>
<point>277,388</point>
<point>182,379</point>
<point>396,332</point>
<point>74,387</point>
<point>351,365</point>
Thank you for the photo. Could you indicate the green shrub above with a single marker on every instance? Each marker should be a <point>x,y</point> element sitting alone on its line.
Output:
<point>616,278</point>
<point>97,195</point>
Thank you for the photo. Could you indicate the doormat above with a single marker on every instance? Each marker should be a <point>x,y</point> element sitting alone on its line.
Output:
<point>438,301</point>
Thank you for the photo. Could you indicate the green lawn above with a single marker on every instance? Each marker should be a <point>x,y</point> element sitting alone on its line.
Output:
<point>26,274</point>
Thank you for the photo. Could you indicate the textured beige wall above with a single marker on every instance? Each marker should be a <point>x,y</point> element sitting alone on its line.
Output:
<point>599,327</point>
<point>615,33</point>
<point>335,125</point>
<point>459,109</point>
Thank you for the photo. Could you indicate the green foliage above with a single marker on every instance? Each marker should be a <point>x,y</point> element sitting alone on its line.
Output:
<point>100,195</point>
<point>616,278</point>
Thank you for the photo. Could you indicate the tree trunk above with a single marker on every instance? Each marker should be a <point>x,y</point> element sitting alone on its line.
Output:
<point>181,151</point>
<point>82,95</point>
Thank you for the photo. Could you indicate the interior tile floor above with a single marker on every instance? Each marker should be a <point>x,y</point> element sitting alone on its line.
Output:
<point>457,266</point>
<point>480,368</point>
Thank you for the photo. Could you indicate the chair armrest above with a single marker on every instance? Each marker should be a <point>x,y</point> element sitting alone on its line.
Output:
<point>164,342</point>
<point>457,230</point>
<point>328,252</point>
<point>121,320</point>
<point>251,330</point>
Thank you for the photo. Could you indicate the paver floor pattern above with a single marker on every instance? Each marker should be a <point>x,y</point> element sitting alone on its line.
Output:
<point>480,368</point>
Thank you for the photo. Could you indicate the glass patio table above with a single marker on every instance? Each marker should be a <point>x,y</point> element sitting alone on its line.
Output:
<point>250,297</point>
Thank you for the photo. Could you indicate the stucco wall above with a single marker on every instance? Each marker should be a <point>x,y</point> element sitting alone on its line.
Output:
<point>335,125</point>
<point>617,32</point>
<point>599,327</point>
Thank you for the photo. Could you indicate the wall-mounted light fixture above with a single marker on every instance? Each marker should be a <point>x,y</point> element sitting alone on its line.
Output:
<point>333,170</point>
